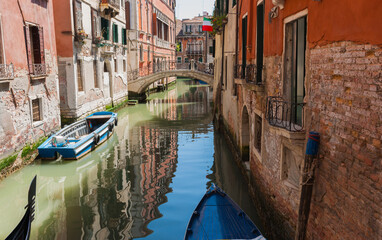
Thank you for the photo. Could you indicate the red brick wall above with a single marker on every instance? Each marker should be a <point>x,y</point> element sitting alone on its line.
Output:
<point>346,104</point>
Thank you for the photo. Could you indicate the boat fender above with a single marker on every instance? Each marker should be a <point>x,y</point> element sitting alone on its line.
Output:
<point>96,138</point>
<point>111,126</point>
<point>116,122</point>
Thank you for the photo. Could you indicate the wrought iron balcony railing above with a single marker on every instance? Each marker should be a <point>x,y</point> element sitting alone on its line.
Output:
<point>239,71</point>
<point>283,114</point>
<point>250,73</point>
<point>194,52</point>
<point>37,69</point>
<point>6,71</point>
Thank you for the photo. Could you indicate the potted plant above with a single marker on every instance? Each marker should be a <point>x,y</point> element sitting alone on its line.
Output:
<point>81,36</point>
<point>98,40</point>
<point>218,22</point>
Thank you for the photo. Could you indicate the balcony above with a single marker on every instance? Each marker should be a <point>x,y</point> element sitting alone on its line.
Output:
<point>194,52</point>
<point>110,7</point>
<point>285,115</point>
<point>37,71</point>
<point>6,71</point>
<point>161,43</point>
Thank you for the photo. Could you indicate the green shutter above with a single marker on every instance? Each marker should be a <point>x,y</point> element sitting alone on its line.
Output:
<point>115,33</point>
<point>124,36</point>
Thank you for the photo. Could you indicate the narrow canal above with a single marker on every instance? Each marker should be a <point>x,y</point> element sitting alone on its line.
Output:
<point>144,182</point>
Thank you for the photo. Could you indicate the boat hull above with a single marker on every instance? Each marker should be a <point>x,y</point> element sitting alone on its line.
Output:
<point>217,216</point>
<point>77,148</point>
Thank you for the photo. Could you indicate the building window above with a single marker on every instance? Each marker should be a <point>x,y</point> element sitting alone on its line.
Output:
<point>78,15</point>
<point>165,32</point>
<point>148,54</point>
<point>294,67</point>
<point>200,28</point>
<point>124,65</point>
<point>233,3</point>
<point>105,28</point>
<point>79,77</point>
<point>141,53</point>
<point>95,74</point>
<point>200,59</point>
<point>115,33</point>
<point>186,60</point>
<point>258,131</point>
<point>36,110</point>
<point>35,49</point>
<point>105,67</point>
<point>115,65</point>
<point>259,42</point>
<point>211,50</point>
<point>95,24</point>
<point>179,60</point>
<point>290,168</point>
<point>124,42</point>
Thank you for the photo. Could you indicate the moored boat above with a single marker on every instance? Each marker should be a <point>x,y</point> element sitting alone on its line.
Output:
<point>23,229</point>
<point>217,216</point>
<point>79,138</point>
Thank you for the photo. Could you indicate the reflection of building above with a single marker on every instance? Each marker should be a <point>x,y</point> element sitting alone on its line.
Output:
<point>28,73</point>
<point>192,42</point>
<point>91,46</point>
<point>153,164</point>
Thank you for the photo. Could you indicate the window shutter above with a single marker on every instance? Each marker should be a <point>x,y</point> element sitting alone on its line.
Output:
<point>28,47</point>
<point>154,24</point>
<point>127,15</point>
<point>42,49</point>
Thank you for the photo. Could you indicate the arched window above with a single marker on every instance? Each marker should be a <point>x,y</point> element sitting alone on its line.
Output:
<point>141,53</point>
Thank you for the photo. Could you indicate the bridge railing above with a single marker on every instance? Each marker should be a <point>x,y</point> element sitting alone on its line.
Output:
<point>157,67</point>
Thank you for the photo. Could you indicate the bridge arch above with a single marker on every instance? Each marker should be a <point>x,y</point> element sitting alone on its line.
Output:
<point>140,85</point>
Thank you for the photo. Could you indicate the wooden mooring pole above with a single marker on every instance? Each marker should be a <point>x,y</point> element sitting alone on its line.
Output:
<point>307,184</point>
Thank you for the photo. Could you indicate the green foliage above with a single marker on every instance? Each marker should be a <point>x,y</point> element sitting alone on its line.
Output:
<point>7,161</point>
<point>218,21</point>
<point>178,47</point>
<point>28,149</point>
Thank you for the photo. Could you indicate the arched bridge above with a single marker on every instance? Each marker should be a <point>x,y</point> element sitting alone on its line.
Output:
<point>139,81</point>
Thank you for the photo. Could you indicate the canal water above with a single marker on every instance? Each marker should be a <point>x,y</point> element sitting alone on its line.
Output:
<point>144,182</point>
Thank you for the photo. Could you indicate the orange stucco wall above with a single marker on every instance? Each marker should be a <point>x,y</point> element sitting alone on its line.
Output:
<point>63,28</point>
<point>328,21</point>
<point>13,28</point>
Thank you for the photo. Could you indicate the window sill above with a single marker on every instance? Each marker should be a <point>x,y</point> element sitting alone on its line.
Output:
<point>289,184</point>
<point>258,88</point>
<point>6,79</point>
<point>37,124</point>
<point>298,136</point>
<point>38,77</point>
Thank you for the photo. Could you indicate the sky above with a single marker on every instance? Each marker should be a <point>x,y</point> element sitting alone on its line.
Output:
<point>192,8</point>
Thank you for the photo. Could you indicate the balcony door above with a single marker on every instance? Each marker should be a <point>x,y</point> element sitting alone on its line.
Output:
<point>260,42</point>
<point>294,67</point>
<point>244,45</point>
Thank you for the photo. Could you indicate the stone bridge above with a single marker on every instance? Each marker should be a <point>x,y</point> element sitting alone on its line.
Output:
<point>138,86</point>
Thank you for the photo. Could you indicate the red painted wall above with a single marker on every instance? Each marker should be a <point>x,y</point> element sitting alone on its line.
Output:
<point>63,28</point>
<point>328,21</point>
<point>13,28</point>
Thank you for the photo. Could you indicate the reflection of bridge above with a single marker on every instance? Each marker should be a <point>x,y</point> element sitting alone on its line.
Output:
<point>140,80</point>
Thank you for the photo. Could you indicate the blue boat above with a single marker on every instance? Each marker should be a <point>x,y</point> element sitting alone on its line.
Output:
<point>217,216</point>
<point>74,141</point>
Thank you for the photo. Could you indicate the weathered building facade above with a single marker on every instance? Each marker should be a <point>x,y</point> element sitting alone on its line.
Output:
<point>151,31</point>
<point>29,101</point>
<point>193,43</point>
<point>92,54</point>
<point>299,66</point>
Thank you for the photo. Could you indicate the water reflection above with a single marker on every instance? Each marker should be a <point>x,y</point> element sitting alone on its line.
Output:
<point>144,182</point>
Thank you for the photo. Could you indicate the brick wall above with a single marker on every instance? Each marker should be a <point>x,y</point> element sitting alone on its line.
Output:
<point>345,99</point>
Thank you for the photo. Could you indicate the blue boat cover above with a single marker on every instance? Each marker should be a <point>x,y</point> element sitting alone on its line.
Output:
<point>217,216</point>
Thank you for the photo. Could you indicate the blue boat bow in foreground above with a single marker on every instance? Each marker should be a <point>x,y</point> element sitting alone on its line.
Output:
<point>217,216</point>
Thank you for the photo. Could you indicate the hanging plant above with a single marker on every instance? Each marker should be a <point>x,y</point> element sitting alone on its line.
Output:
<point>218,22</point>
<point>98,39</point>
<point>81,36</point>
